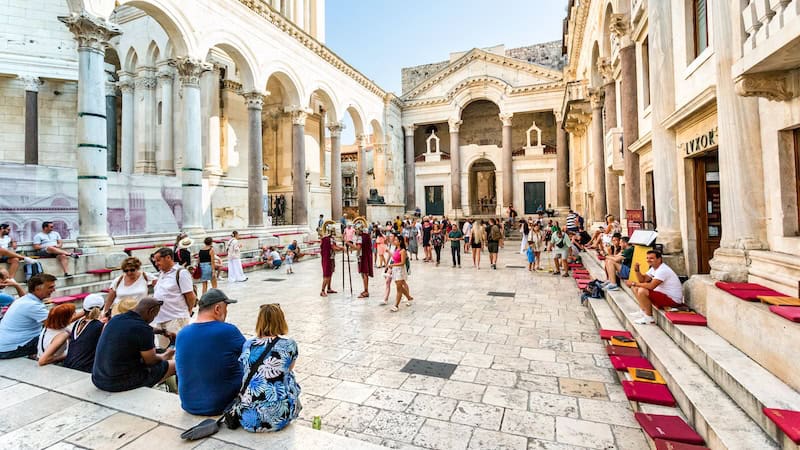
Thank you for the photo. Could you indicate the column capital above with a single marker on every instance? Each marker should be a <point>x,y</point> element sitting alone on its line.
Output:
<point>31,82</point>
<point>165,74</point>
<point>778,86</point>
<point>189,69</point>
<point>455,125</point>
<point>558,115</point>
<point>255,99</point>
<point>506,118</point>
<point>596,96</point>
<point>362,140</point>
<point>606,70</point>
<point>336,129</point>
<point>409,130</point>
<point>298,114</point>
<point>91,32</point>
<point>146,80</point>
<point>111,89</point>
<point>125,83</point>
<point>620,28</point>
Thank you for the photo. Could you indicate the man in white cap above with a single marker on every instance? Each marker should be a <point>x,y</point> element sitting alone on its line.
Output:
<point>207,358</point>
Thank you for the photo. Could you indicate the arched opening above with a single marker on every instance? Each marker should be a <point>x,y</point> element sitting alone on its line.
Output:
<point>323,114</point>
<point>482,188</point>
<point>481,124</point>
<point>277,145</point>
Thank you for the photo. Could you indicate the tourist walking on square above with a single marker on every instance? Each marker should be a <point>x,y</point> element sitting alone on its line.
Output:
<point>269,396</point>
<point>437,241</point>
<point>235,270</point>
<point>327,253</point>
<point>207,259</point>
<point>477,238</point>
<point>363,248</point>
<point>173,288</point>
<point>455,236</point>
<point>494,241</point>
<point>561,243</point>
<point>524,229</point>
<point>387,271</point>
<point>410,237</point>
<point>536,239</point>
<point>400,274</point>
<point>48,243</point>
<point>380,248</point>
<point>466,230</point>
<point>133,283</point>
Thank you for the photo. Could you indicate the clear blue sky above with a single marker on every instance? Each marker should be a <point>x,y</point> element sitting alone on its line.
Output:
<point>379,37</point>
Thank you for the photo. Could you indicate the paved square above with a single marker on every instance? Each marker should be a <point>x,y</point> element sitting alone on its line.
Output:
<point>531,372</point>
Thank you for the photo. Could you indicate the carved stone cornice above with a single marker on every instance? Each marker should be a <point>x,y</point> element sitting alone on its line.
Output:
<point>577,120</point>
<point>254,99</point>
<point>230,85</point>
<point>606,70</point>
<point>298,114</point>
<point>778,86</point>
<point>90,32</point>
<point>484,81</point>
<point>506,118</point>
<point>336,128</point>
<point>596,98</point>
<point>189,70</point>
<point>31,83</point>
<point>577,18</point>
<point>454,125</point>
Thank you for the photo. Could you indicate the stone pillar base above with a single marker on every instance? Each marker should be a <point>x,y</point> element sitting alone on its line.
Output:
<point>89,243</point>
<point>213,171</point>
<point>729,264</point>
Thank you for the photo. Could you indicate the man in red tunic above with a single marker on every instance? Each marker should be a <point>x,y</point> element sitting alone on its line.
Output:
<point>328,249</point>
<point>363,244</point>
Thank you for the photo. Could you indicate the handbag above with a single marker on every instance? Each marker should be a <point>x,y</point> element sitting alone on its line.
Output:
<point>197,272</point>
<point>230,417</point>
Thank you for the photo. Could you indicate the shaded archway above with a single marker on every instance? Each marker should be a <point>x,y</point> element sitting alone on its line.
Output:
<point>482,187</point>
<point>480,124</point>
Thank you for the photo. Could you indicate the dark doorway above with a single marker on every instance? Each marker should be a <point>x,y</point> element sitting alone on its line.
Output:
<point>534,197</point>
<point>709,217</point>
<point>434,200</point>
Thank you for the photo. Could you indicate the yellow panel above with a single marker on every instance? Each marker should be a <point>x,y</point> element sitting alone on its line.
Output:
<point>617,342</point>
<point>659,379</point>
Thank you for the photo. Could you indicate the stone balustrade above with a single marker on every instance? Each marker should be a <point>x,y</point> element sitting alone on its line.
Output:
<point>763,19</point>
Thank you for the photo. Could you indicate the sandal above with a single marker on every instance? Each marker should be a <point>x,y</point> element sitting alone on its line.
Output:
<point>363,295</point>
<point>322,294</point>
<point>394,309</point>
<point>331,291</point>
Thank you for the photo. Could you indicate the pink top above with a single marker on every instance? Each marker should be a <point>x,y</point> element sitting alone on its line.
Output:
<point>397,257</point>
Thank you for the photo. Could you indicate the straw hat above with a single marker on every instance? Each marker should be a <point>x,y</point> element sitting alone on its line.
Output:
<point>185,243</point>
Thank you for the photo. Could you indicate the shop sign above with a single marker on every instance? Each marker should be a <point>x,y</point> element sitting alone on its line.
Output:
<point>700,143</point>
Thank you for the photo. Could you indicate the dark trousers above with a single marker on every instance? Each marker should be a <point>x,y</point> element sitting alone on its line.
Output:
<point>438,249</point>
<point>21,352</point>
<point>455,253</point>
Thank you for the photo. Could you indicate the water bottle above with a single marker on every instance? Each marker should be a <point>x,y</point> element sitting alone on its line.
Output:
<point>316,423</point>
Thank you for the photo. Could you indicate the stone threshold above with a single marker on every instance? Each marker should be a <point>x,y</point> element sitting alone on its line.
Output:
<point>706,407</point>
<point>164,408</point>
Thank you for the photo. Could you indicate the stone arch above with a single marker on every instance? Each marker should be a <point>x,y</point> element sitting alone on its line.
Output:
<point>377,131</point>
<point>357,116</point>
<point>170,15</point>
<point>483,188</point>
<point>239,51</point>
<point>605,32</point>
<point>481,88</point>
<point>476,118</point>
<point>288,81</point>
<point>153,54</point>
<point>326,96</point>
<point>131,61</point>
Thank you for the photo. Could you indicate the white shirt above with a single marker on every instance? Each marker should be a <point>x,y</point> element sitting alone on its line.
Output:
<point>466,229</point>
<point>5,242</point>
<point>136,290</point>
<point>670,284</point>
<point>168,291</point>
<point>46,338</point>
<point>234,250</point>
<point>275,255</point>
<point>47,239</point>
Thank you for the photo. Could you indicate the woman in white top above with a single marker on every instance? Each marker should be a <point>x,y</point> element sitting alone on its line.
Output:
<point>52,346</point>
<point>133,283</point>
<point>235,270</point>
<point>536,237</point>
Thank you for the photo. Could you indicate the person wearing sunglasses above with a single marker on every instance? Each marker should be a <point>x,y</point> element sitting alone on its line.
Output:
<point>132,283</point>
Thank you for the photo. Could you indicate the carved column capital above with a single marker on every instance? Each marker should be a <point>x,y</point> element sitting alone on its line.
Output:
<point>454,125</point>
<point>596,97</point>
<point>31,82</point>
<point>620,27</point>
<point>254,99</point>
<point>146,79</point>
<point>165,75</point>
<point>606,70</point>
<point>778,86</point>
<point>506,119</point>
<point>91,32</point>
<point>336,129</point>
<point>189,69</point>
<point>409,130</point>
<point>362,140</point>
<point>558,115</point>
<point>125,83</point>
<point>298,114</point>
<point>111,89</point>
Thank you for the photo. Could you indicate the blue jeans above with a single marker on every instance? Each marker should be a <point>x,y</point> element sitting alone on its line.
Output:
<point>23,351</point>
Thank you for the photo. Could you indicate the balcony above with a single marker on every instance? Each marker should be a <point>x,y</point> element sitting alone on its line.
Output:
<point>770,51</point>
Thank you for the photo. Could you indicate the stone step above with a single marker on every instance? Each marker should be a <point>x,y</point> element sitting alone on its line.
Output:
<point>706,406</point>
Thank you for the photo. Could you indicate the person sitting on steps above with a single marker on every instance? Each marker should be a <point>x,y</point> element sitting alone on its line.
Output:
<point>660,286</point>
<point>49,243</point>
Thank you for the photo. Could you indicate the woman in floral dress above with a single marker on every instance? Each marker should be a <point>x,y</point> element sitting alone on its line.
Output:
<point>272,398</point>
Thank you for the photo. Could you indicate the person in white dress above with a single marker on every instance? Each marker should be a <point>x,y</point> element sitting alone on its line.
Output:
<point>235,270</point>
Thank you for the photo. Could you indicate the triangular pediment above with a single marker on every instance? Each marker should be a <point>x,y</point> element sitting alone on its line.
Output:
<point>479,64</point>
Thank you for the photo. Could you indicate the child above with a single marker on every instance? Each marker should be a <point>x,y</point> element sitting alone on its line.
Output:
<point>531,256</point>
<point>289,261</point>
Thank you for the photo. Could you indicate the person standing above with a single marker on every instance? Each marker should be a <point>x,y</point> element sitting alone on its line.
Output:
<point>133,283</point>
<point>207,259</point>
<point>560,242</point>
<point>437,241</point>
<point>400,274</point>
<point>173,288</point>
<point>495,241</point>
<point>476,242</point>
<point>427,228</point>
<point>327,253</point>
<point>536,239</point>
<point>235,270</point>
<point>410,234</point>
<point>363,247</point>
<point>380,247</point>
<point>455,236</point>
<point>524,229</point>
<point>466,230</point>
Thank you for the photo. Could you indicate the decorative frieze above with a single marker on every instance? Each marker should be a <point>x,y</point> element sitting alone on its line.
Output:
<point>90,32</point>
<point>146,81</point>
<point>777,86</point>
<point>189,69</point>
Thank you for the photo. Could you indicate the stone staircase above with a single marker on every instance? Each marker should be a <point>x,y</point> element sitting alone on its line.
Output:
<point>720,389</point>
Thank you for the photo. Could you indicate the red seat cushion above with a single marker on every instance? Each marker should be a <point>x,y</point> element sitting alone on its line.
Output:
<point>138,247</point>
<point>582,276</point>
<point>81,296</point>
<point>663,444</point>
<point>671,428</point>
<point>99,271</point>
<point>616,350</point>
<point>575,266</point>
<point>656,394</point>
<point>623,362</point>
<point>682,318</point>
<point>223,268</point>
<point>62,300</point>
<point>746,291</point>
<point>787,312</point>
<point>608,334</point>
<point>788,421</point>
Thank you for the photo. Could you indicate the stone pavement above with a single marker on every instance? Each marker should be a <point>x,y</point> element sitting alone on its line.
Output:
<point>531,371</point>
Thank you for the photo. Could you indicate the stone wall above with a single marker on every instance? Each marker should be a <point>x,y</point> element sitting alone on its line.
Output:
<point>481,124</point>
<point>412,76</point>
<point>522,121</point>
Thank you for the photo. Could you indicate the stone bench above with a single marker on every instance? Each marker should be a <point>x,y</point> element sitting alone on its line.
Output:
<point>63,403</point>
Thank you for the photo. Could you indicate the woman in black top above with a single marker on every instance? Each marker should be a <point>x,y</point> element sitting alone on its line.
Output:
<point>206,257</point>
<point>84,336</point>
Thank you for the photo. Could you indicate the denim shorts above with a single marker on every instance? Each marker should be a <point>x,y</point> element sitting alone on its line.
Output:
<point>205,271</point>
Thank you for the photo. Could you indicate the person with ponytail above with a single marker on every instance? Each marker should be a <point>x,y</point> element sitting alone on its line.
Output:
<point>83,338</point>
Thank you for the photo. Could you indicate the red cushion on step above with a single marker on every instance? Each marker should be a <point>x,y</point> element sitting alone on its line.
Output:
<point>671,428</point>
<point>787,312</point>
<point>616,350</point>
<point>575,266</point>
<point>581,276</point>
<point>788,421</point>
<point>746,291</point>
<point>656,394</point>
<point>105,290</point>
<point>62,300</point>
<point>608,334</point>
<point>138,247</point>
<point>99,271</point>
<point>682,318</point>
<point>601,257</point>
<point>223,268</point>
<point>663,444</point>
<point>623,362</point>
<point>81,296</point>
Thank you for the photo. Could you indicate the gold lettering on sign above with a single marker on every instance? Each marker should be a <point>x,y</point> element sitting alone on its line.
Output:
<point>700,143</point>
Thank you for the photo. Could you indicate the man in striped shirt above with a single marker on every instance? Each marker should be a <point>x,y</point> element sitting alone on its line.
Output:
<point>572,222</point>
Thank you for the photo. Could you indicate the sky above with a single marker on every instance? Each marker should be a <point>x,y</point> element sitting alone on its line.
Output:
<point>379,37</point>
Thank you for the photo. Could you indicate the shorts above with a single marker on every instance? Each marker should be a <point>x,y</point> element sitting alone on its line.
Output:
<point>148,377</point>
<point>661,300</point>
<point>205,271</point>
<point>561,252</point>
<point>494,246</point>
<point>466,239</point>
<point>173,326</point>
<point>399,273</point>
<point>475,245</point>
<point>276,263</point>
<point>43,253</point>
<point>531,259</point>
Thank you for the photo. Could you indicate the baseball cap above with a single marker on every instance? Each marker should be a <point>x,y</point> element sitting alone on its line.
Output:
<point>214,296</point>
<point>93,301</point>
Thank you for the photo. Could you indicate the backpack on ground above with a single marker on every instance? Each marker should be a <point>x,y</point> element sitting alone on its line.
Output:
<point>594,289</point>
<point>32,269</point>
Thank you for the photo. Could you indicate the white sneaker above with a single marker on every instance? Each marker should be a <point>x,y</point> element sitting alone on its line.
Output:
<point>645,320</point>
<point>29,260</point>
<point>637,315</point>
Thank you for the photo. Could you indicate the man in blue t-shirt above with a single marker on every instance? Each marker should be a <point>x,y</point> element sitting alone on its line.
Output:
<point>22,323</point>
<point>207,358</point>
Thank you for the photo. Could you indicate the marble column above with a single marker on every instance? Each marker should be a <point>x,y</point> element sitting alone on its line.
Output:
<point>165,159</point>
<point>92,34</point>
<point>126,154</point>
<point>411,200</point>
<point>144,127</point>
<point>336,170</point>
<point>111,125</point>
<point>609,122</point>
<point>740,159</point>
<point>664,146</point>
<point>598,155</point>
<point>507,161</point>
<point>379,163</point>
<point>299,188</point>
<point>31,118</point>
<point>255,160</point>
<point>620,27</point>
<point>455,167</point>
<point>562,163</point>
<point>209,89</point>
<point>363,185</point>
<point>189,71</point>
